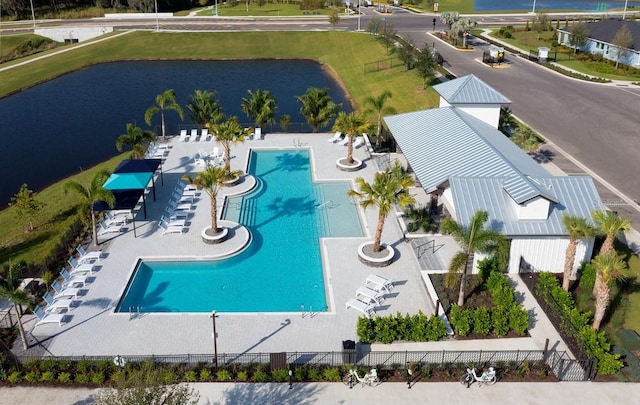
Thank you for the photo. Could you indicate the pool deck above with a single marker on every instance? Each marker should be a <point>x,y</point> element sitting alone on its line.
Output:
<point>93,328</point>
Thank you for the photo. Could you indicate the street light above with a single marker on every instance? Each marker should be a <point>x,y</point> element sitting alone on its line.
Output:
<point>534,7</point>
<point>359,15</point>
<point>33,16</point>
<point>624,13</point>
<point>216,8</point>
<point>157,23</point>
<point>215,340</point>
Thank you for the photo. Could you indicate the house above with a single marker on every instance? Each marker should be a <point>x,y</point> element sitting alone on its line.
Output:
<point>457,154</point>
<point>600,41</point>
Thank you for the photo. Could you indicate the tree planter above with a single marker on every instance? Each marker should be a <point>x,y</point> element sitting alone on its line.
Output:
<point>382,258</point>
<point>211,238</point>
<point>233,182</point>
<point>343,165</point>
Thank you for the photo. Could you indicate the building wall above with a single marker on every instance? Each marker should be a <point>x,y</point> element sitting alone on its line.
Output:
<point>546,253</point>
<point>537,208</point>
<point>608,51</point>
<point>72,34</point>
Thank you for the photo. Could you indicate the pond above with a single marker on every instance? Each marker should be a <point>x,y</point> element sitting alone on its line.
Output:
<point>547,5</point>
<point>69,124</point>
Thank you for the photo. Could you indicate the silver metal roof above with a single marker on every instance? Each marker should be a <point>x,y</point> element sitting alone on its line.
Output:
<point>576,195</point>
<point>469,90</point>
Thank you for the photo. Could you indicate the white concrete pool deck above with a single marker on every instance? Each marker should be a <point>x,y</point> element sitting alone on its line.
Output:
<point>93,328</point>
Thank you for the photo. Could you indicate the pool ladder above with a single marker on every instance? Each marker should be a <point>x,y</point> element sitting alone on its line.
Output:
<point>134,311</point>
<point>310,313</point>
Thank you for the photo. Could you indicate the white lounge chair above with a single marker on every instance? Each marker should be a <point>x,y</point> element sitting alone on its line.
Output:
<point>177,206</point>
<point>77,267</point>
<point>173,214</point>
<point>366,309</point>
<point>181,199</point>
<point>47,318</point>
<point>105,229</point>
<point>69,280</point>
<point>54,305</point>
<point>166,229</point>
<point>379,283</point>
<point>205,134</point>
<point>358,142</point>
<point>344,141</point>
<point>185,186</point>
<point>370,295</point>
<point>336,137</point>
<point>88,257</point>
<point>183,136</point>
<point>172,222</point>
<point>257,134</point>
<point>194,135</point>
<point>69,292</point>
<point>111,219</point>
<point>198,159</point>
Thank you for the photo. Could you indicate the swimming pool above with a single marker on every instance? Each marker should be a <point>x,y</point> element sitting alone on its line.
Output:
<point>281,270</point>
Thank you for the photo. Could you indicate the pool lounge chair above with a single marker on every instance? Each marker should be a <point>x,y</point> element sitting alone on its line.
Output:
<point>183,136</point>
<point>172,222</point>
<point>378,283</point>
<point>88,257</point>
<point>194,135</point>
<point>75,280</point>
<point>367,294</point>
<point>185,186</point>
<point>257,134</point>
<point>166,229</point>
<point>105,228</point>
<point>173,214</point>
<point>366,309</point>
<point>336,137</point>
<point>205,134</point>
<point>77,267</point>
<point>69,292</point>
<point>54,305</point>
<point>358,142</point>
<point>47,318</point>
<point>198,159</point>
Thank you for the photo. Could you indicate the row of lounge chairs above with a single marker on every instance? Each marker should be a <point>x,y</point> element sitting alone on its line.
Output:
<point>114,222</point>
<point>66,291</point>
<point>339,139</point>
<point>370,295</point>
<point>193,136</point>
<point>178,209</point>
<point>157,151</point>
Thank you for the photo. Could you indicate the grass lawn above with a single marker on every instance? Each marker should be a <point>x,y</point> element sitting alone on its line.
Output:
<point>342,54</point>
<point>268,10</point>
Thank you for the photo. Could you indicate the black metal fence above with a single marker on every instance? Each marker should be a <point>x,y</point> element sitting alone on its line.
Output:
<point>382,64</point>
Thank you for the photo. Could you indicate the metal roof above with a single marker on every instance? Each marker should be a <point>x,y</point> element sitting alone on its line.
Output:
<point>606,30</point>
<point>469,90</point>
<point>576,195</point>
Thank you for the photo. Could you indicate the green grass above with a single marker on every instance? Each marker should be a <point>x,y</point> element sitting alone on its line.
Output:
<point>11,42</point>
<point>268,10</point>
<point>342,54</point>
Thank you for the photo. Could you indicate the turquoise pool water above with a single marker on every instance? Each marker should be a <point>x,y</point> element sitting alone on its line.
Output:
<point>282,268</point>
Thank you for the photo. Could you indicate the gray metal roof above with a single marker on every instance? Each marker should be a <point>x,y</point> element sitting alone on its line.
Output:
<point>443,142</point>
<point>576,195</point>
<point>606,30</point>
<point>469,90</point>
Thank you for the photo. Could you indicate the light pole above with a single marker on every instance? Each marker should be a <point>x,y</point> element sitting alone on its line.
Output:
<point>215,340</point>
<point>216,8</point>
<point>33,15</point>
<point>624,13</point>
<point>533,10</point>
<point>359,15</point>
<point>157,23</point>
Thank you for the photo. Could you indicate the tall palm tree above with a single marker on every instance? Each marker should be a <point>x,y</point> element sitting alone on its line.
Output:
<point>136,139</point>
<point>578,229</point>
<point>211,180</point>
<point>164,101</point>
<point>610,224</point>
<point>227,133</point>
<point>261,107</point>
<point>389,187</point>
<point>317,107</point>
<point>10,290</point>
<point>608,267</point>
<point>379,107</point>
<point>472,238</point>
<point>351,124</point>
<point>204,108</point>
<point>89,195</point>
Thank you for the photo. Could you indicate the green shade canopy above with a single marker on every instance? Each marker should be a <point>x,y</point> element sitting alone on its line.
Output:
<point>128,181</point>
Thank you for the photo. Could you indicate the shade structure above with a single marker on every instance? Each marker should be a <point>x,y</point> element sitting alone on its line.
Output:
<point>128,181</point>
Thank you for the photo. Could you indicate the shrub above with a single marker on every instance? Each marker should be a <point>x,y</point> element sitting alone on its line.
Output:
<point>205,374</point>
<point>300,374</point>
<point>314,374</point>
<point>482,321</point>
<point>15,377</point>
<point>331,374</point>
<point>500,321</point>
<point>190,376</point>
<point>48,376</point>
<point>223,375</point>
<point>97,378</point>
<point>518,320</point>
<point>31,377</point>
<point>64,378</point>
<point>280,375</point>
<point>400,327</point>
<point>460,320</point>
<point>587,277</point>
<point>242,376</point>
<point>260,376</point>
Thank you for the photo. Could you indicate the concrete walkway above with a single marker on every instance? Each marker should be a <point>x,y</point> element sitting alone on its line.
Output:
<point>337,393</point>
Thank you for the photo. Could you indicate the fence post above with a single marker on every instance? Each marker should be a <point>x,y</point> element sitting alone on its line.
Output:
<point>438,307</point>
<point>546,348</point>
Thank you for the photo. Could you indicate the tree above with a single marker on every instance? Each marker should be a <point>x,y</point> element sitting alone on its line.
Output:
<point>26,204</point>
<point>506,121</point>
<point>136,139</point>
<point>146,386</point>
<point>578,36</point>
<point>578,229</point>
<point>317,107</point>
<point>449,17</point>
<point>378,106</point>
<point>462,28</point>
<point>540,23</point>
<point>610,224</point>
<point>623,40</point>
<point>211,180</point>
<point>227,133</point>
<point>334,18</point>
<point>90,195</point>
<point>608,268</point>
<point>389,188</point>
<point>260,107</point>
<point>10,290</point>
<point>406,52</point>
<point>285,121</point>
<point>164,101</point>
<point>204,108</point>
<point>426,64</point>
<point>351,124</point>
<point>472,238</point>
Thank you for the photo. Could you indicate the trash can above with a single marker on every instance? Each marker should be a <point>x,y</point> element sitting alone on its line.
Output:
<point>348,352</point>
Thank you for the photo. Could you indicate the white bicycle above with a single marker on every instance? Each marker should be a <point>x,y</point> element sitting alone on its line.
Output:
<point>487,377</point>
<point>371,378</point>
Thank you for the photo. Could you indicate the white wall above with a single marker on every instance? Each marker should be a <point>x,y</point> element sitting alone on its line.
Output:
<point>546,253</point>
<point>447,200</point>
<point>444,103</point>
<point>538,208</point>
<point>489,113</point>
<point>75,34</point>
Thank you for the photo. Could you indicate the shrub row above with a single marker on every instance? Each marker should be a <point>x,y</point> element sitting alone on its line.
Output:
<point>594,342</point>
<point>574,74</point>
<point>409,328</point>
<point>506,314</point>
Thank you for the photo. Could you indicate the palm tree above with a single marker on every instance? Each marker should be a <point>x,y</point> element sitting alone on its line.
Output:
<point>379,107</point>
<point>506,121</point>
<point>10,290</point>
<point>90,195</point>
<point>211,180</point>
<point>610,224</point>
<point>164,101</point>
<point>317,107</point>
<point>389,187</point>
<point>204,108</point>
<point>260,107</point>
<point>227,133</point>
<point>351,124</point>
<point>472,238</point>
<point>136,139</point>
<point>578,229</point>
<point>608,267</point>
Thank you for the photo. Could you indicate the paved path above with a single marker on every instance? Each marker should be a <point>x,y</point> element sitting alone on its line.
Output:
<point>338,393</point>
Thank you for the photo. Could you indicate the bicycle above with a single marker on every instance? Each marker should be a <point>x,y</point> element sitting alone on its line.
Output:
<point>487,377</point>
<point>371,378</point>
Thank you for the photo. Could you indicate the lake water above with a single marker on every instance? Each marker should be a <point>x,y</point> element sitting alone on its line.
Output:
<point>66,125</point>
<point>546,5</point>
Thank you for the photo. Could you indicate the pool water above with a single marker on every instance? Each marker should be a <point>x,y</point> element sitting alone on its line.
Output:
<point>281,270</point>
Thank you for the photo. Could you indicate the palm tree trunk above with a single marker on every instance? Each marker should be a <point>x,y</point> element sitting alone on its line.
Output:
<point>602,301</point>
<point>227,156</point>
<point>164,138</point>
<point>214,213</point>
<point>568,262</point>
<point>463,280</point>
<point>23,337</point>
<point>607,246</point>
<point>379,130</point>
<point>94,231</point>
<point>378,235</point>
<point>350,149</point>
